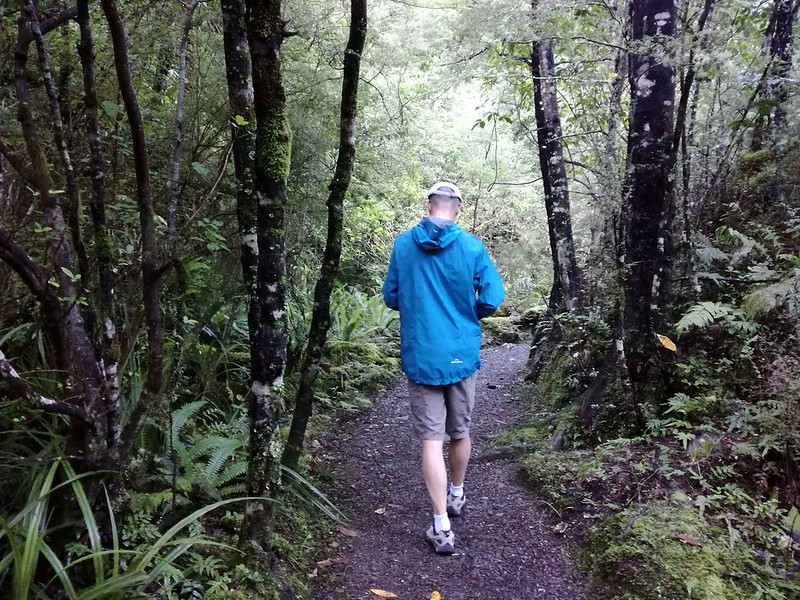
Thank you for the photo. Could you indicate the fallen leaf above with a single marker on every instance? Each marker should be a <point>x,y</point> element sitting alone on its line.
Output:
<point>341,560</point>
<point>383,594</point>
<point>560,528</point>
<point>380,511</point>
<point>324,563</point>
<point>666,342</point>
<point>347,532</point>
<point>437,595</point>
<point>690,540</point>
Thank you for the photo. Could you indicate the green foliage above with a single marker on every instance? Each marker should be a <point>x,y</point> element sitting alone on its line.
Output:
<point>356,317</point>
<point>553,474</point>
<point>26,546</point>
<point>703,314</point>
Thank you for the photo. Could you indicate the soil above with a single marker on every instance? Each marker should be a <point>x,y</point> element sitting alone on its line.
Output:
<point>506,547</point>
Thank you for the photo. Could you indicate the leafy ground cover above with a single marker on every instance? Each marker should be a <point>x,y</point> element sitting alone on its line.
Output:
<point>669,515</point>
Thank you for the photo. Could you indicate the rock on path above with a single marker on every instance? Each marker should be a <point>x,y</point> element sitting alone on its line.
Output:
<point>505,546</point>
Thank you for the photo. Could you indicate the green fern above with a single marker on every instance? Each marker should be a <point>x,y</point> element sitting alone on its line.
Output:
<point>730,234</point>
<point>704,314</point>
<point>206,462</point>
<point>182,416</point>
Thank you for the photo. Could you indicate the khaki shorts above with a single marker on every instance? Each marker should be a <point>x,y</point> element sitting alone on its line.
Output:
<point>437,410</point>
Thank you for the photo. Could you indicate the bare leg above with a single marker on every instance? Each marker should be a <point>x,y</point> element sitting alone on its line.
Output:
<point>435,474</point>
<point>459,458</point>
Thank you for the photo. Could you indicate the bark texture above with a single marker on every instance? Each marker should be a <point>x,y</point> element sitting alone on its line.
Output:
<point>646,240</point>
<point>780,43</point>
<point>566,275</point>
<point>320,318</point>
<point>265,34</point>
<point>240,98</point>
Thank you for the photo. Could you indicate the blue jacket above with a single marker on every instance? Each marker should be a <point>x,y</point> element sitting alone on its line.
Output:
<point>442,281</point>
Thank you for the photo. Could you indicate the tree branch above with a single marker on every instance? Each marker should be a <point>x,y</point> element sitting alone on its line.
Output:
<point>20,389</point>
<point>30,273</point>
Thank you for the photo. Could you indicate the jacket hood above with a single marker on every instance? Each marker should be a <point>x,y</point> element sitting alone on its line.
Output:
<point>430,236</point>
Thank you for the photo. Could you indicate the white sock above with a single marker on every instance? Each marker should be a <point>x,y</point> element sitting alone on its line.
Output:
<point>456,491</point>
<point>441,523</point>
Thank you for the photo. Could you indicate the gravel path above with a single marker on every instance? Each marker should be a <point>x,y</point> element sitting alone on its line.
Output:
<point>505,546</point>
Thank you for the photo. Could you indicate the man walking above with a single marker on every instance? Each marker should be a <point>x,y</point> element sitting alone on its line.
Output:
<point>442,281</point>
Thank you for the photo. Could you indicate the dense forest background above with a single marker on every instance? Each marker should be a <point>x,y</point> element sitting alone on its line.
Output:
<point>197,205</point>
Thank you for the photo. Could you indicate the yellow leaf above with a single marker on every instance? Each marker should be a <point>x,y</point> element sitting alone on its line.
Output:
<point>666,342</point>
<point>436,596</point>
<point>383,594</point>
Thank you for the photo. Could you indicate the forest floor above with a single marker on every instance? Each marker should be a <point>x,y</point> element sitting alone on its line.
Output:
<point>506,547</point>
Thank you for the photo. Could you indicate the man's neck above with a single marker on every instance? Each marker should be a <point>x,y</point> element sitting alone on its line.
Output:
<point>440,221</point>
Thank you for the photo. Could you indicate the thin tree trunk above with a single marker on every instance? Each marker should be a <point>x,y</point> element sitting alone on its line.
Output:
<point>687,83</point>
<point>73,347</point>
<point>265,32</point>
<point>646,231</point>
<point>320,319</point>
<point>172,220</point>
<point>554,175</point>
<point>240,98</point>
<point>61,144</point>
<point>144,197</point>
<point>103,250</point>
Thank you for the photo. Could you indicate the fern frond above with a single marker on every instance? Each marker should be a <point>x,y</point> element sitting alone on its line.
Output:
<point>231,472</point>
<point>708,254</point>
<point>225,451</point>
<point>733,235</point>
<point>181,416</point>
<point>703,314</point>
<point>238,489</point>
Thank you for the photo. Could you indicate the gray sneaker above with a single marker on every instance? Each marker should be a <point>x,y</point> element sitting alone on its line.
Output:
<point>455,504</point>
<point>443,542</point>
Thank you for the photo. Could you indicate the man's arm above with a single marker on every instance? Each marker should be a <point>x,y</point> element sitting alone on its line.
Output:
<point>390,284</point>
<point>488,285</point>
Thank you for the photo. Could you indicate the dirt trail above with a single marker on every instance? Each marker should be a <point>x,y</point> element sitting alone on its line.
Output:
<point>505,545</point>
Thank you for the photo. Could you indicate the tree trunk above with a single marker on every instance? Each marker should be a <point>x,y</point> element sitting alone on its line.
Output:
<point>73,204</point>
<point>103,252</point>
<point>265,33</point>
<point>566,275</point>
<point>646,240</point>
<point>320,319</point>
<point>144,197</point>
<point>780,48</point>
<point>73,347</point>
<point>240,98</point>
<point>177,142</point>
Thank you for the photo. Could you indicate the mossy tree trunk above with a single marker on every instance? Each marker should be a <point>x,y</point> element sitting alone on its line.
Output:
<point>320,318</point>
<point>646,241</point>
<point>265,34</point>
<point>243,134</point>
